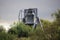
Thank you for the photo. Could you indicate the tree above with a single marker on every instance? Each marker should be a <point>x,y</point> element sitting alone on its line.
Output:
<point>56,15</point>
<point>56,22</point>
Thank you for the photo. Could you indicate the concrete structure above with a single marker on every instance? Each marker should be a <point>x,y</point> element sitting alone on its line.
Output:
<point>30,16</point>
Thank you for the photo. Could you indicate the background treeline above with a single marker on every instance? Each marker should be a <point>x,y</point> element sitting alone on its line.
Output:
<point>20,31</point>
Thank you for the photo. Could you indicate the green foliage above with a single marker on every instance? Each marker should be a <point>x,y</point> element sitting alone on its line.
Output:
<point>56,23</point>
<point>20,29</point>
<point>45,23</point>
<point>56,15</point>
<point>37,34</point>
<point>4,35</point>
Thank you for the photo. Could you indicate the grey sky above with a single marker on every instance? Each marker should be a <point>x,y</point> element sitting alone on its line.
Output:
<point>9,9</point>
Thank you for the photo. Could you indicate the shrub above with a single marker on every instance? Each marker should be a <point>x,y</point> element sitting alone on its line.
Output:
<point>20,29</point>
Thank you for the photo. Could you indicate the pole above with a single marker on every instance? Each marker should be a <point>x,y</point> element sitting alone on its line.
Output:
<point>20,16</point>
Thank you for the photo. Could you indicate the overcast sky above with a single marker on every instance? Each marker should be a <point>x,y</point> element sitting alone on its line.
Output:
<point>9,9</point>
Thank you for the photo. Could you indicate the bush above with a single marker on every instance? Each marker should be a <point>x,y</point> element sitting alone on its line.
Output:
<point>20,29</point>
<point>5,36</point>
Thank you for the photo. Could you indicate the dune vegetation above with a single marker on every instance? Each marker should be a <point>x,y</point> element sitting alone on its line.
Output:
<point>20,31</point>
